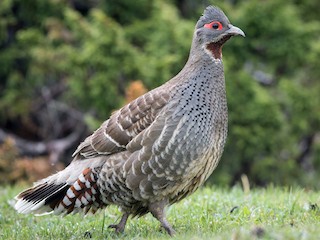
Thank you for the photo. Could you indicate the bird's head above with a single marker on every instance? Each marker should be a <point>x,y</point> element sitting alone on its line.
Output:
<point>212,30</point>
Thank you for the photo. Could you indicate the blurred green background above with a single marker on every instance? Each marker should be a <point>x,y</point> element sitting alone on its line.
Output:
<point>65,65</point>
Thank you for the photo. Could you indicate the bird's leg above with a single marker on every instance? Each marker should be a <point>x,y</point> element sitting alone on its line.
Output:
<point>119,228</point>
<point>157,210</point>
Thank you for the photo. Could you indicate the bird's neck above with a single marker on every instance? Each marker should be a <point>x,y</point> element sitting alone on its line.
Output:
<point>202,62</point>
<point>207,57</point>
<point>210,56</point>
<point>202,73</point>
<point>211,50</point>
<point>199,64</point>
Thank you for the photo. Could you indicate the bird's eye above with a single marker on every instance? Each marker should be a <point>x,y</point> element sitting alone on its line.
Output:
<point>214,25</point>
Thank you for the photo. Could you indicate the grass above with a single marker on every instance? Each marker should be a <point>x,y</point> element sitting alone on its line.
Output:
<point>210,213</point>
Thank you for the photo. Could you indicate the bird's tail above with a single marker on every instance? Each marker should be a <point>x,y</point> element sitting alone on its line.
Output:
<point>71,190</point>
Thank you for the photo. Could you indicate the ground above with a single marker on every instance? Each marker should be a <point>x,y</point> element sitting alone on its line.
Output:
<point>211,213</point>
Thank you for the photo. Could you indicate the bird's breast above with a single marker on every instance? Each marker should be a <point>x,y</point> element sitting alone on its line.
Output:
<point>201,128</point>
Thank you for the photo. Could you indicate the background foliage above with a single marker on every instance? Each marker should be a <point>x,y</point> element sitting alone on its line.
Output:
<point>66,65</point>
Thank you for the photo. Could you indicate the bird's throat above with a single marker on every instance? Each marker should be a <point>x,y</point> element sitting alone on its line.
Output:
<point>215,48</point>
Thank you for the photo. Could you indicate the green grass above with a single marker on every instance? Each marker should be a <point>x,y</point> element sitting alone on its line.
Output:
<point>210,213</point>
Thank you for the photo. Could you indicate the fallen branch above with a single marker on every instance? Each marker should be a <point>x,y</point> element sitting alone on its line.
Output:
<point>54,148</point>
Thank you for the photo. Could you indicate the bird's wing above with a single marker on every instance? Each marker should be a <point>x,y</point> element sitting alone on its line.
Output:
<point>160,161</point>
<point>125,124</point>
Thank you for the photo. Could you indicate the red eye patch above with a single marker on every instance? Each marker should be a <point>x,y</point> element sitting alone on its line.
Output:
<point>214,25</point>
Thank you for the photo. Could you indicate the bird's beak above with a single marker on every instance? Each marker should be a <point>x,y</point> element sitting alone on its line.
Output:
<point>233,30</point>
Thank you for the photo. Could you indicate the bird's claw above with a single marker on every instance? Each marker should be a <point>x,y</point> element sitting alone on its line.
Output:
<point>117,228</point>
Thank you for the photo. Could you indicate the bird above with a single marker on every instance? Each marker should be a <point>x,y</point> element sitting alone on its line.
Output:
<point>154,151</point>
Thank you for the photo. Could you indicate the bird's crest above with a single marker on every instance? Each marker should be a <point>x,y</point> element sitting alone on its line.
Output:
<point>211,13</point>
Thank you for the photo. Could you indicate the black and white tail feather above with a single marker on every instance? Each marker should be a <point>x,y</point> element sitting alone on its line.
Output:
<point>72,190</point>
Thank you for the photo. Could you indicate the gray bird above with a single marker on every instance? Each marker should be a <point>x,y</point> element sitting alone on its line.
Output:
<point>154,151</point>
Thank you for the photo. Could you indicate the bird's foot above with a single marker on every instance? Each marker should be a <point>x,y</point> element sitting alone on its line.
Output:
<point>119,228</point>
<point>157,210</point>
<point>168,228</point>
